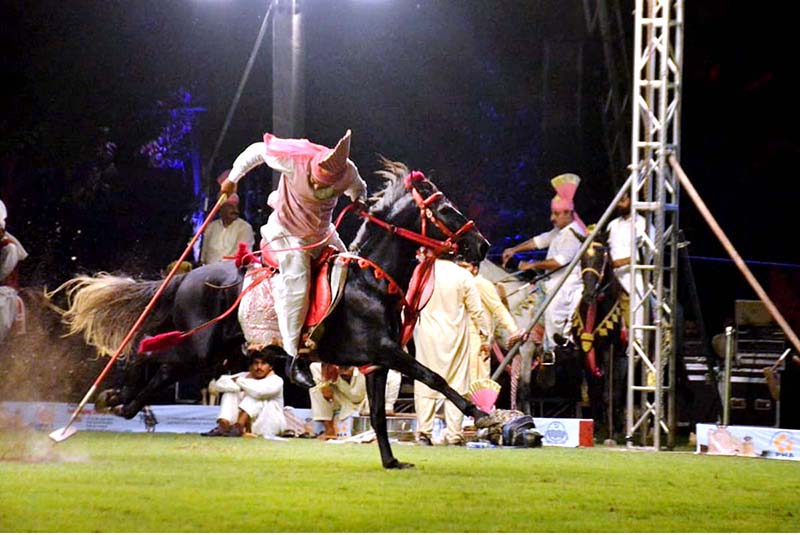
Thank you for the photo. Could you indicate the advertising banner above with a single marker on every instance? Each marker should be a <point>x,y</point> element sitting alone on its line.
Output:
<point>47,416</point>
<point>769,442</point>
<point>566,432</point>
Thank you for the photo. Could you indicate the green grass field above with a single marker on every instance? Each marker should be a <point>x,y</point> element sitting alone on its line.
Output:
<point>162,482</point>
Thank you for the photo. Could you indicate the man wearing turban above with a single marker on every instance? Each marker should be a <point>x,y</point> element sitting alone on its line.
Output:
<point>562,243</point>
<point>223,235</point>
<point>312,179</point>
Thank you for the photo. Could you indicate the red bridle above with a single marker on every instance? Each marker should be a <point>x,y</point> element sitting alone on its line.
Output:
<point>449,245</point>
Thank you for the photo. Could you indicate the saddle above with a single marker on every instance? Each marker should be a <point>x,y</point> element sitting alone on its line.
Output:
<point>256,312</point>
<point>320,295</point>
<point>255,306</point>
<point>328,276</point>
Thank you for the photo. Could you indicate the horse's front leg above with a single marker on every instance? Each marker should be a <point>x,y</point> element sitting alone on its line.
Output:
<point>376,393</point>
<point>128,381</point>
<point>404,363</point>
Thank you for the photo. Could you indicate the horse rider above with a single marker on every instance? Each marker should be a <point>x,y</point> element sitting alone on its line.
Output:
<point>563,243</point>
<point>300,226</point>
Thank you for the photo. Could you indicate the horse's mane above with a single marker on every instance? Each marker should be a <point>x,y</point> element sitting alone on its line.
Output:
<point>393,175</point>
<point>381,203</point>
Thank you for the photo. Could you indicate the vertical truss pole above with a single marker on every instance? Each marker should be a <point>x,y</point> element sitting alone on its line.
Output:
<point>658,56</point>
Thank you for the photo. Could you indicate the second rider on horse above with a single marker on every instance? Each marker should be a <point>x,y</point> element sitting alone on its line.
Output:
<point>300,226</point>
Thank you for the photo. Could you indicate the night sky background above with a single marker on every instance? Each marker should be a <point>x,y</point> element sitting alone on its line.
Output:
<point>460,89</point>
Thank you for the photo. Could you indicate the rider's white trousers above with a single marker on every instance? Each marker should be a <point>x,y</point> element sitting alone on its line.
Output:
<point>293,281</point>
<point>558,315</point>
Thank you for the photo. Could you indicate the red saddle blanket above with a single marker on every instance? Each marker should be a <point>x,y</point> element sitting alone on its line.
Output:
<point>320,289</point>
<point>256,306</point>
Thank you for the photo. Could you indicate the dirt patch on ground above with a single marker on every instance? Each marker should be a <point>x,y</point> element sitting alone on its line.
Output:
<point>25,446</point>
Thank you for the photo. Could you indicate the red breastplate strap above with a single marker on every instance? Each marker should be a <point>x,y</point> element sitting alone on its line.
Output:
<point>587,341</point>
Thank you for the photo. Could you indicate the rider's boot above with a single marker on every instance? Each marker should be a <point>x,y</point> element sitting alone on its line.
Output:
<point>299,373</point>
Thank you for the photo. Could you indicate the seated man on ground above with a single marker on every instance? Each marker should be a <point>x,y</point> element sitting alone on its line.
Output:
<point>252,401</point>
<point>338,388</point>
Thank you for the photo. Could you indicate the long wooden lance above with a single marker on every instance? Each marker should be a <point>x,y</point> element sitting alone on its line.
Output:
<point>63,433</point>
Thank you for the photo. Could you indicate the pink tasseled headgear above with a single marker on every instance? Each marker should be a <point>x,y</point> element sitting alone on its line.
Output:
<point>233,198</point>
<point>327,165</point>
<point>566,185</point>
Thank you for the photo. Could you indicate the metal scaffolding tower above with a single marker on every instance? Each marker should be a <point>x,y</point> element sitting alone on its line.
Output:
<point>657,63</point>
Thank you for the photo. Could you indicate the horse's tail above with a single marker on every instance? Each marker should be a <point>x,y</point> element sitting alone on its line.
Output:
<point>105,307</point>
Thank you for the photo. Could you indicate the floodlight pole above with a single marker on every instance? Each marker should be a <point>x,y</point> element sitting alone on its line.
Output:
<point>288,72</point>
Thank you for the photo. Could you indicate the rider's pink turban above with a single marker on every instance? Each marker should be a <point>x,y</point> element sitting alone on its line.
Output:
<point>566,185</point>
<point>327,165</point>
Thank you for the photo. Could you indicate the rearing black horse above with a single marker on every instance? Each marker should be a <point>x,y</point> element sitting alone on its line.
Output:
<point>364,329</point>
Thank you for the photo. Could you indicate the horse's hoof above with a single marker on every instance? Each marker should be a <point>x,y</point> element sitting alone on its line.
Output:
<point>394,464</point>
<point>124,411</point>
<point>106,400</point>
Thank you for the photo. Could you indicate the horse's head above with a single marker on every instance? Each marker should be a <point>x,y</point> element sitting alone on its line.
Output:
<point>412,201</point>
<point>593,267</point>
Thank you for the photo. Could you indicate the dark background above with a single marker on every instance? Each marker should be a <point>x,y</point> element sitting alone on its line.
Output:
<point>492,98</point>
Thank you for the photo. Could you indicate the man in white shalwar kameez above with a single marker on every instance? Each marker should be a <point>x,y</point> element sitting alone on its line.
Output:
<point>562,243</point>
<point>339,389</point>
<point>442,342</point>
<point>620,234</point>
<point>223,235</point>
<point>498,315</point>
<point>252,402</point>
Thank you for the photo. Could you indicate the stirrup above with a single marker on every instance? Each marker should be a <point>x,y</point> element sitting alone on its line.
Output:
<point>548,358</point>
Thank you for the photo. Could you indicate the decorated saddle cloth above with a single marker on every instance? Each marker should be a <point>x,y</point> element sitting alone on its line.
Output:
<point>258,316</point>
